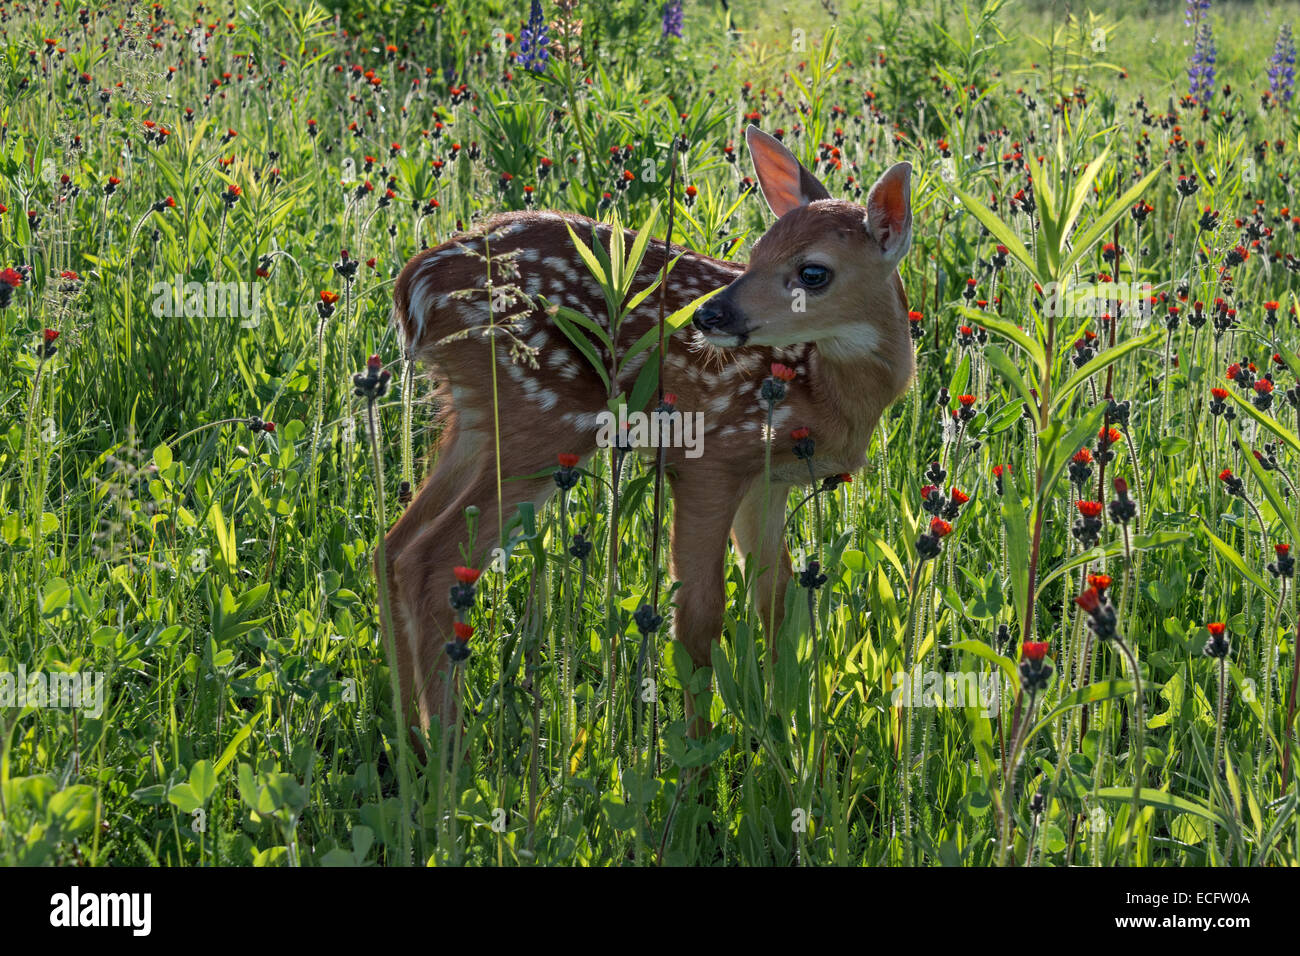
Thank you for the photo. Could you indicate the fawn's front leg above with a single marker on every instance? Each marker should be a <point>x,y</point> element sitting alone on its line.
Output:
<point>705,506</point>
<point>762,552</point>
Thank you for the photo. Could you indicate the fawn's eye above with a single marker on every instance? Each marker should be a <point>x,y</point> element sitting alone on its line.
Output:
<point>814,276</point>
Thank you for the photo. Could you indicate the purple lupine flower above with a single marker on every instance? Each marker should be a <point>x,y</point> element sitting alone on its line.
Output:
<point>1200,65</point>
<point>673,17</point>
<point>1197,10</point>
<point>1281,65</point>
<point>533,41</point>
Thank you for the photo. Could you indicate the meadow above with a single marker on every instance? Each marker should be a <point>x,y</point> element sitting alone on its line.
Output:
<point>1052,623</point>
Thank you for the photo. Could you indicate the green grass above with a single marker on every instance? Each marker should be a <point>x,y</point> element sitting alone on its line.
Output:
<point>219,577</point>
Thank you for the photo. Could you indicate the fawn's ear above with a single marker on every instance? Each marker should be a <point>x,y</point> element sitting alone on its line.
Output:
<point>889,211</point>
<point>786,184</point>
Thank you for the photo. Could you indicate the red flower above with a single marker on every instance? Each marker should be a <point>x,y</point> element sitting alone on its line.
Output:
<point>50,335</point>
<point>568,460</point>
<point>959,496</point>
<point>1263,386</point>
<point>925,491</point>
<point>966,400</point>
<point>1112,435</point>
<point>1100,582</point>
<point>1089,600</point>
<point>1089,509</point>
<point>1216,629</point>
<point>12,278</point>
<point>1282,550</point>
<point>328,297</point>
<point>914,316</point>
<point>940,528</point>
<point>1000,470</point>
<point>1233,371</point>
<point>463,631</point>
<point>782,373</point>
<point>1082,456</point>
<point>844,477</point>
<point>1225,475</point>
<point>466,575</point>
<point>1034,650</point>
<point>799,434</point>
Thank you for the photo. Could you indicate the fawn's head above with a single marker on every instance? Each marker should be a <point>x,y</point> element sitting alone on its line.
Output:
<point>826,272</point>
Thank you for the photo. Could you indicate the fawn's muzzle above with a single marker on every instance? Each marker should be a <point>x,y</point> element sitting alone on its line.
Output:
<point>717,318</point>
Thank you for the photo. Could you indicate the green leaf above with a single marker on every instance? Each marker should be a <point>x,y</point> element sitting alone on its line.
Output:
<point>1001,231</point>
<point>984,652</point>
<point>1003,365</point>
<point>1269,487</point>
<point>1230,554</point>
<point>1162,801</point>
<point>1142,542</point>
<point>1107,219</point>
<point>1088,694</point>
<point>1009,330</point>
<point>1107,357</point>
<point>582,343</point>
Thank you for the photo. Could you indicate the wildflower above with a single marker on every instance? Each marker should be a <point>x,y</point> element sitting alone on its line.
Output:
<point>461,595</point>
<point>1284,566</point>
<point>967,410</point>
<point>373,382</point>
<point>1200,66</point>
<point>1100,582</point>
<point>1087,529</point>
<point>580,548</point>
<point>672,19</point>
<point>1281,66</point>
<point>1081,466</point>
<point>1035,669</point>
<point>325,307</point>
<point>47,347</point>
<point>1122,509</point>
<point>998,472</point>
<point>1231,483</point>
<point>1218,398</point>
<point>1218,644</point>
<point>914,324</point>
<point>566,476</point>
<point>811,576</point>
<point>1263,399</point>
<point>928,543</point>
<point>1101,614</point>
<point>774,386</point>
<point>803,443</point>
<point>647,621</point>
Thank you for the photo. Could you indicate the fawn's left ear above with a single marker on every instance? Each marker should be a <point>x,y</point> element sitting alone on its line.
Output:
<point>786,184</point>
<point>889,211</point>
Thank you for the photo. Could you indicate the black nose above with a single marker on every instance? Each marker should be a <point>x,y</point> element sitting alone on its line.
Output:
<point>709,317</point>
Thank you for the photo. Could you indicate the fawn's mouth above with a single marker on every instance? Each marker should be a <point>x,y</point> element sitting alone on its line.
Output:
<point>723,340</point>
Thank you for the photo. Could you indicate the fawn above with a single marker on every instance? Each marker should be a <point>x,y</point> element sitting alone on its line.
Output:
<point>821,295</point>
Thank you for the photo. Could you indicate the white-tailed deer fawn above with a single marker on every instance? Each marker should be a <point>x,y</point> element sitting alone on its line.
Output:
<point>821,296</point>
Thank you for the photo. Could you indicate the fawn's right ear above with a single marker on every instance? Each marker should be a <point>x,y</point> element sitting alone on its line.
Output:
<point>785,183</point>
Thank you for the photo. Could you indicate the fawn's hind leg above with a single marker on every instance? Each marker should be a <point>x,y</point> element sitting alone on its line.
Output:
<point>423,570</point>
